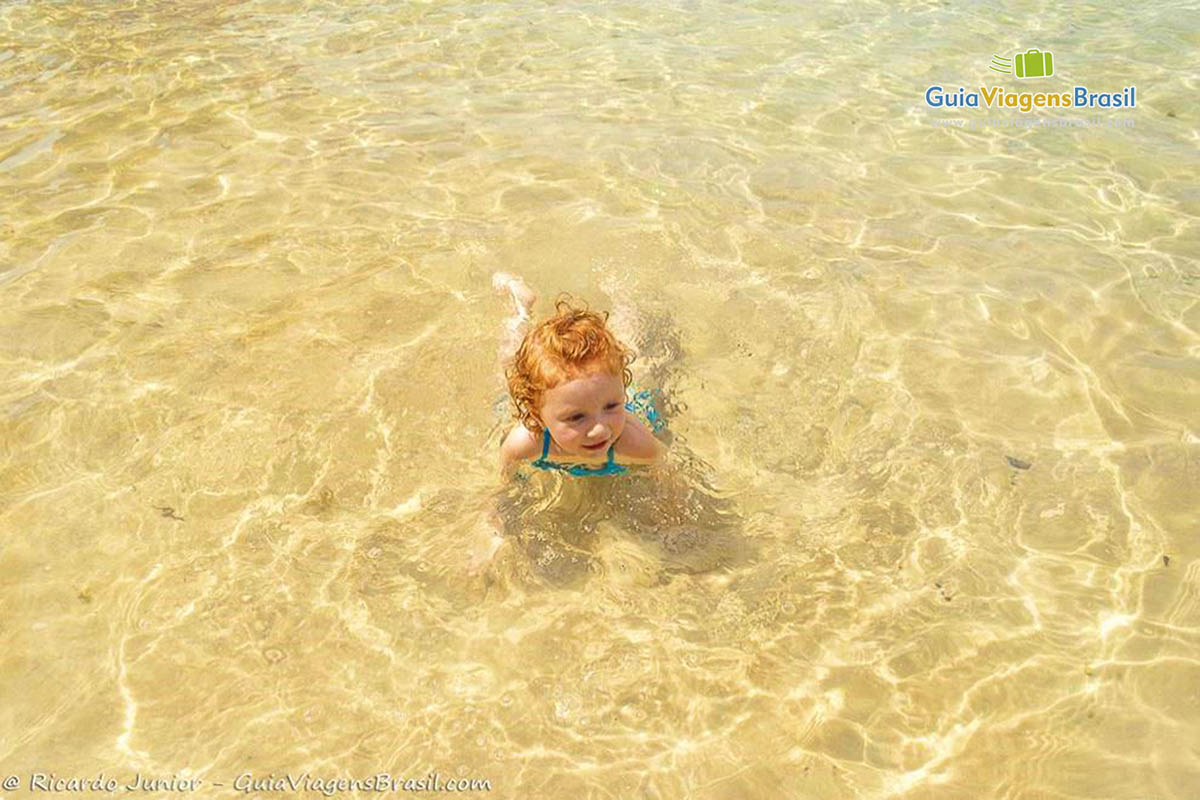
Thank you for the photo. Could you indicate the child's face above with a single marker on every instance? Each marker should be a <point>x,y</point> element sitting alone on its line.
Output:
<point>585,415</point>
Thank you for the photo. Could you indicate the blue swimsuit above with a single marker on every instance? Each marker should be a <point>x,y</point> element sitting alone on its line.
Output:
<point>642,401</point>
<point>578,470</point>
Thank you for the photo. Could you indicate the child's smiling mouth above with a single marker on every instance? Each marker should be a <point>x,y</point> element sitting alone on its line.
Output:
<point>595,446</point>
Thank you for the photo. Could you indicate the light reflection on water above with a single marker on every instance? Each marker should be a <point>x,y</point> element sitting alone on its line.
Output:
<point>927,526</point>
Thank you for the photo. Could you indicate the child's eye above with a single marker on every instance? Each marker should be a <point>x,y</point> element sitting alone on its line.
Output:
<point>575,418</point>
<point>611,406</point>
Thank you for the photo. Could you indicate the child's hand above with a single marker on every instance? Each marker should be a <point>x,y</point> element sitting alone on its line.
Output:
<point>481,559</point>
<point>487,544</point>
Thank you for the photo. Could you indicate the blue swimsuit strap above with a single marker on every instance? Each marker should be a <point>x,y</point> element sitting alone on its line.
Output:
<point>578,470</point>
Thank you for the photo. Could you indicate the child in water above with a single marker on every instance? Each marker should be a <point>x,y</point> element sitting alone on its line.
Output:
<point>567,379</point>
<point>567,382</point>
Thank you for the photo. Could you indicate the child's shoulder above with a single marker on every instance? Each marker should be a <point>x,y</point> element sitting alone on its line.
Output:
<point>519,445</point>
<point>637,442</point>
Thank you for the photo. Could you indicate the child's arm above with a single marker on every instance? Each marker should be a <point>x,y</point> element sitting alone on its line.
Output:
<point>517,446</point>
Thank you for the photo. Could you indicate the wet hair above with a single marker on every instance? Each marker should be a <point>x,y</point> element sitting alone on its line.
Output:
<point>573,343</point>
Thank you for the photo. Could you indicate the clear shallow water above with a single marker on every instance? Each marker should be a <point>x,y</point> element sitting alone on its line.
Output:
<point>247,391</point>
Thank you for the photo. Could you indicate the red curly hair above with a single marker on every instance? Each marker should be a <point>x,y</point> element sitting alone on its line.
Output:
<point>572,343</point>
